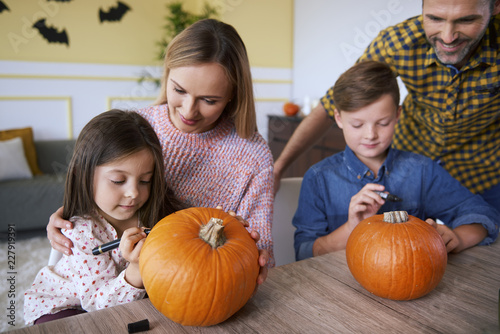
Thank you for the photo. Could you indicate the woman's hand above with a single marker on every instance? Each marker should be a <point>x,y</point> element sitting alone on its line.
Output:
<point>263,254</point>
<point>263,259</point>
<point>58,241</point>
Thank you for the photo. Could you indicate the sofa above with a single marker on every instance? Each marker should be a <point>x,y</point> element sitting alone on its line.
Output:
<point>28,203</point>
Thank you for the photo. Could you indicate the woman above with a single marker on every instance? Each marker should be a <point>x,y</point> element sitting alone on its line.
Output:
<point>206,122</point>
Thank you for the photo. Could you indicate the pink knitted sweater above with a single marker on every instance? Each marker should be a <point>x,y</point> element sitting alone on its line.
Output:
<point>218,167</point>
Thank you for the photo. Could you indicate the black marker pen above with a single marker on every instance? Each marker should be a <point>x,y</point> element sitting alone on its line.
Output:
<point>111,245</point>
<point>388,197</point>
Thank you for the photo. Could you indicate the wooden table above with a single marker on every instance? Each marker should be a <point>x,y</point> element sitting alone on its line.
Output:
<point>319,295</point>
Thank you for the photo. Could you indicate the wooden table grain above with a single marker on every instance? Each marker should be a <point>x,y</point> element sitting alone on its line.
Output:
<point>319,295</point>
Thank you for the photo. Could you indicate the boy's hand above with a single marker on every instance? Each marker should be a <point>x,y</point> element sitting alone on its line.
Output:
<point>449,237</point>
<point>364,204</point>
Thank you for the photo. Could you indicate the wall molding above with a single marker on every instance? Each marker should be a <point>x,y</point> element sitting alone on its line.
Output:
<point>112,99</point>
<point>90,89</point>
<point>67,99</point>
<point>70,77</point>
<point>110,78</point>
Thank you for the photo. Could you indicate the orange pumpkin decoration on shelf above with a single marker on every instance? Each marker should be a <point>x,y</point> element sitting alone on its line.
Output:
<point>290,109</point>
<point>199,266</point>
<point>396,256</point>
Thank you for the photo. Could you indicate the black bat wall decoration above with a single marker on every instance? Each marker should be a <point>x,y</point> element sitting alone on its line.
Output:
<point>3,7</point>
<point>51,34</point>
<point>114,13</point>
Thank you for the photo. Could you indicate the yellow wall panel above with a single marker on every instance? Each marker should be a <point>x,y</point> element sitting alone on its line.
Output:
<point>265,26</point>
<point>129,41</point>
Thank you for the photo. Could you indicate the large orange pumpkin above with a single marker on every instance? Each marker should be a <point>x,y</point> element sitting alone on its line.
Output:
<point>199,266</point>
<point>396,256</point>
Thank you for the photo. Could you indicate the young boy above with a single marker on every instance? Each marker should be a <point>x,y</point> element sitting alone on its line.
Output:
<point>340,191</point>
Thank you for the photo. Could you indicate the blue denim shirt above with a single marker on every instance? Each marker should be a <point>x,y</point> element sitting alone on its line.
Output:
<point>427,190</point>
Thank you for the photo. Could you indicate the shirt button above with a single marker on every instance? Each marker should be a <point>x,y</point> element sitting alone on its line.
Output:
<point>359,177</point>
<point>368,174</point>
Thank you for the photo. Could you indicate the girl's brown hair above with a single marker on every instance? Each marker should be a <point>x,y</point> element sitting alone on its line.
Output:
<point>109,136</point>
<point>212,41</point>
<point>363,84</point>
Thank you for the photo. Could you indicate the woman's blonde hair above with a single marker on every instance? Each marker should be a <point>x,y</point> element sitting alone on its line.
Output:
<point>212,41</point>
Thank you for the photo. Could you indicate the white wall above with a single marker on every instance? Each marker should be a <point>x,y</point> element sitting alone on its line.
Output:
<point>329,35</point>
<point>58,99</point>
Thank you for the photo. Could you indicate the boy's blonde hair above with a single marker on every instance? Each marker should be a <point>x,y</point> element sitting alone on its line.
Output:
<point>363,84</point>
<point>212,41</point>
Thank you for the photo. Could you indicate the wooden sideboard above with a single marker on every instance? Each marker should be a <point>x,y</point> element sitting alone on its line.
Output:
<point>281,128</point>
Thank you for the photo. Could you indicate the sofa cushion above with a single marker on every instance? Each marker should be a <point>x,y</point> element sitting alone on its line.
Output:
<point>29,147</point>
<point>13,164</point>
<point>28,204</point>
<point>54,155</point>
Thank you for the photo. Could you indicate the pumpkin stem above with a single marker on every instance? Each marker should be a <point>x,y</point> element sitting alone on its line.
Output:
<point>213,233</point>
<point>396,217</point>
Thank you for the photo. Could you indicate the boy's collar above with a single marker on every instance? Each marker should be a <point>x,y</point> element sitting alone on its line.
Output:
<point>360,169</point>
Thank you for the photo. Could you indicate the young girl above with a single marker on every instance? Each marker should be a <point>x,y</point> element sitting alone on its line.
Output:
<point>115,187</point>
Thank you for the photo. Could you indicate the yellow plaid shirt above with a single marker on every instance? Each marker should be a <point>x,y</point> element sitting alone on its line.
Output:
<point>454,118</point>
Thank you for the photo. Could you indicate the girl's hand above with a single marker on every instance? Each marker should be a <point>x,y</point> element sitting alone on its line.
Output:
<point>130,247</point>
<point>263,254</point>
<point>364,204</point>
<point>58,241</point>
<point>131,244</point>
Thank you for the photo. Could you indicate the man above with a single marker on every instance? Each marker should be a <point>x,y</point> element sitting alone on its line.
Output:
<point>449,60</point>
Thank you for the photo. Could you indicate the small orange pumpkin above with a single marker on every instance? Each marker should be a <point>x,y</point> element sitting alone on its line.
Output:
<point>396,256</point>
<point>290,109</point>
<point>199,266</point>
